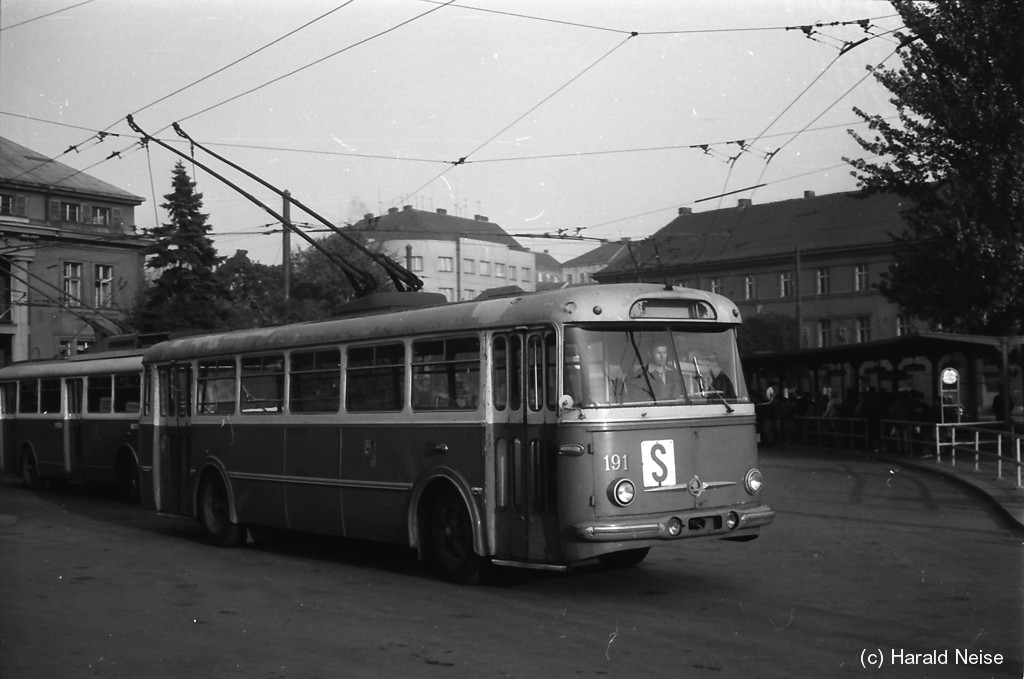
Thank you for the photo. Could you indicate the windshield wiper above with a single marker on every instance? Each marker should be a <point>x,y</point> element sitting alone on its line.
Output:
<point>708,388</point>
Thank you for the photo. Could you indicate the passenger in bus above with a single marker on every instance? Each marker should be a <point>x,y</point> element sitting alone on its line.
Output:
<point>660,376</point>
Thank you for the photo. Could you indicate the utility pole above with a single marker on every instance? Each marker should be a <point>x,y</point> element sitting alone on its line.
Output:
<point>286,245</point>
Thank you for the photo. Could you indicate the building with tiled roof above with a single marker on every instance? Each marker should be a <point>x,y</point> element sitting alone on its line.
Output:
<point>817,259</point>
<point>456,256</point>
<point>71,262</point>
<point>580,270</point>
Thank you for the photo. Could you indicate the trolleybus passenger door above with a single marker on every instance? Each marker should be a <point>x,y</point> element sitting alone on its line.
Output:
<point>526,515</point>
<point>73,428</point>
<point>175,408</point>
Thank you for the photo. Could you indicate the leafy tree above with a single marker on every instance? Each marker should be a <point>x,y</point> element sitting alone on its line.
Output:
<point>187,295</point>
<point>255,290</point>
<point>319,287</point>
<point>767,332</point>
<point>957,155</point>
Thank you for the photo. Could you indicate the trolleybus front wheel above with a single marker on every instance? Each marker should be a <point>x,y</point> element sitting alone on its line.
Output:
<point>215,514</point>
<point>625,559</point>
<point>451,538</point>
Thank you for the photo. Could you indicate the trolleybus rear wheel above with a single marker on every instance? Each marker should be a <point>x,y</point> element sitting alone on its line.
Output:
<point>451,538</point>
<point>215,514</point>
<point>30,473</point>
<point>128,478</point>
<point>625,559</point>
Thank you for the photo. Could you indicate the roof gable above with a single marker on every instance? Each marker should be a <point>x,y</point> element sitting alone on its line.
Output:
<point>412,224</point>
<point>832,221</point>
<point>22,166</point>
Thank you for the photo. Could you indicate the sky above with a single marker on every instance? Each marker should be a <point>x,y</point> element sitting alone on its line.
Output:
<point>598,119</point>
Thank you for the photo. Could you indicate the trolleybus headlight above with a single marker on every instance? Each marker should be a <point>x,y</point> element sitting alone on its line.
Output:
<point>622,492</point>
<point>753,481</point>
<point>675,526</point>
<point>732,519</point>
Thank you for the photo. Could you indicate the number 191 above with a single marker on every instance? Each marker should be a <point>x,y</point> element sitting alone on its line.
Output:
<point>616,463</point>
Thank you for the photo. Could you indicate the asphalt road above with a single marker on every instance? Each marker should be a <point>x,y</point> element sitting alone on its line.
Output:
<point>865,563</point>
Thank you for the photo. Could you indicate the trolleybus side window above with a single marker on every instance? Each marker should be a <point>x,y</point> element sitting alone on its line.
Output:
<point>315,381</point>
<point>8,397</point>
<point>541,372</point>
<point>499,373</point>
<point>375,378</point>
<point>98,394</point>
<point>127,393</point>
<point>446,374</point>
<point>28,396</point>
<point>216,384</point>
<point>262,384</point>
<point>49,395</point>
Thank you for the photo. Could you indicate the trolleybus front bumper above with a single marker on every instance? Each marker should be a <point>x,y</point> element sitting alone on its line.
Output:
<point>676,525</point>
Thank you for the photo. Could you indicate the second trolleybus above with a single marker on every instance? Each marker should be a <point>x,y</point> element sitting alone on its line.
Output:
<point>530,429</point>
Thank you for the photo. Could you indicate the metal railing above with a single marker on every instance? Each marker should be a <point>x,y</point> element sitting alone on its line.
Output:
<point>983,444</point>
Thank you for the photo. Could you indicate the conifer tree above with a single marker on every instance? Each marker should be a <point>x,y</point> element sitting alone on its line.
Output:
<point>186,295</point>
<point>957,155</point>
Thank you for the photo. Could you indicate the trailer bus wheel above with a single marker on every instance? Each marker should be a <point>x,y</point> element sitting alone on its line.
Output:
<point>215,514</point>
<point>451,538</point>
<point>30,472</point>
<point>127,474</point>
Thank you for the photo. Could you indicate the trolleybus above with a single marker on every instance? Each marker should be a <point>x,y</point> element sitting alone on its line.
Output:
<point>73,420</point>
<point>530,429</point>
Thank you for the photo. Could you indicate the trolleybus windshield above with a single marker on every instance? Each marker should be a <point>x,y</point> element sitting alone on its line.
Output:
<point>646,365</point>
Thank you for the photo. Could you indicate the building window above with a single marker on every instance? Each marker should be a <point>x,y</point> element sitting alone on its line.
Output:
<point>749,287</point>
<point>101,216</point>
<point>824,281</point>
<point>468,293</point>
<point>903,326</point>
<point>716,286</point>
<point>6,204</point>
<point>527,273</point>
<point>485,268</point>
<point>785,284</point>
<point>104,286</point>
<point>70,212</point>
<point>449,294</point>
<point>446,264</point>
<point>864,329</point>
<point>824,333</point>
<point>512,273</point>
<point>568,278</point>
<point>468,266</point>
<point>416,263</point>
<point>860,278</point>
<point>499,270</point>
<point>841,335</point>
<point>72,346</point>
<point>73,283</point>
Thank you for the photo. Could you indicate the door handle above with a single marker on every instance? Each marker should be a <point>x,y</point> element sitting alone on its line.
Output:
<point>441,448</point>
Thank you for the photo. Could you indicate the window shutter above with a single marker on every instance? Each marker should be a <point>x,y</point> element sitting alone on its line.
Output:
<point>55,211</point>
<point>19,206</point>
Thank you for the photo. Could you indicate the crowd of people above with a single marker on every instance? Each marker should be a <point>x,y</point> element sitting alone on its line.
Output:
<point>776,416</point>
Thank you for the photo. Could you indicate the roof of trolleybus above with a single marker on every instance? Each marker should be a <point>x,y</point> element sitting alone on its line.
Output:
<point>121,361</point>
<point>585,304</point>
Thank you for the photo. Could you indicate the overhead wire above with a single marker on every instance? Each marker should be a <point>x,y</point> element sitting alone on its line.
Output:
<point>44,16</point>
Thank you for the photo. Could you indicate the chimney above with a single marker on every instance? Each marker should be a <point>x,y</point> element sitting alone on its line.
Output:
<point>808,194</point>
<point>442,211</point>
<point>406,208</point>
<point>480,218</point>
<point>368,216</point>
<point>392,210</point>
<point>685,211</point>
<point>743,203</point>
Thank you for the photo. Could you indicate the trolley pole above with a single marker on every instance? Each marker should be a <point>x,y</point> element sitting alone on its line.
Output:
<point>286,245</point>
